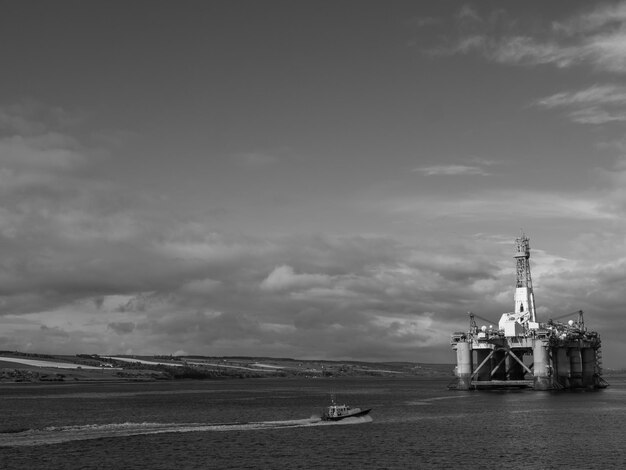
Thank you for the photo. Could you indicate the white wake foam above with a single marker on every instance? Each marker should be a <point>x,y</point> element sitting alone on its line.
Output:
<point>58,434</point>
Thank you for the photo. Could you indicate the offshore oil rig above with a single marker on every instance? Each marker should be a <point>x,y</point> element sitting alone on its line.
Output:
<point>524,353</point>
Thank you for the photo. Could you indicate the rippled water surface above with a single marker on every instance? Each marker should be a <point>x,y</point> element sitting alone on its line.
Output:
<point>274,423</point>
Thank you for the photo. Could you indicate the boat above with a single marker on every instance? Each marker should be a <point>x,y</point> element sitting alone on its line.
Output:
<point>335,412</point>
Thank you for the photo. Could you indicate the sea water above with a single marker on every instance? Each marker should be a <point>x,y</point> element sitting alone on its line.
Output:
<point>274,424</point>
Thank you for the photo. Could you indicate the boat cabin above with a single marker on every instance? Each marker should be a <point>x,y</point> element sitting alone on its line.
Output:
<point>335,411</point>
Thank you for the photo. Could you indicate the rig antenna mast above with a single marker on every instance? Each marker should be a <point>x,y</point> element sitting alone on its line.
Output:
<point>524,297</point>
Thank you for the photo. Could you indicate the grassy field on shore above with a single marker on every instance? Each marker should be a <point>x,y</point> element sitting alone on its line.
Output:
<point>31,367</point>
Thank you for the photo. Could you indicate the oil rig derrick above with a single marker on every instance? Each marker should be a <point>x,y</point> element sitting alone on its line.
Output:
<point>522,352</point>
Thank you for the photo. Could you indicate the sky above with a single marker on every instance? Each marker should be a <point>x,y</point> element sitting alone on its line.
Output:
<point>319,179</point>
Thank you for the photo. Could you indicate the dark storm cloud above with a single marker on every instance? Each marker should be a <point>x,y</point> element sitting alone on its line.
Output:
<point>122,327</point>
<point>55,331</point>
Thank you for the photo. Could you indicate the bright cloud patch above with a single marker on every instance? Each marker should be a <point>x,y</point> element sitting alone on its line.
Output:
<point>284,278</point>
<point>598,104</point>
<point>451,170</point>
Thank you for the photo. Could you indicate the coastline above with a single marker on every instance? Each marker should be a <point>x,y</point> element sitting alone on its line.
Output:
<point>37,368</point>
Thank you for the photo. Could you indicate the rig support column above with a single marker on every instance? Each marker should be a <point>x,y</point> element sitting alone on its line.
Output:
<point>464,365</point>
<point>588,356</point>
<point>563,367</point>
<point>577,367</point>
<point>541,367</point>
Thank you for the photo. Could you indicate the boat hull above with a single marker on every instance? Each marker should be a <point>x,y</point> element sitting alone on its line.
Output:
<point>350,415</point>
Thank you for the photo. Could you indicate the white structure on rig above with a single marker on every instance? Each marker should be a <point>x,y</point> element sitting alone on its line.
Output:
<point>523,352</point>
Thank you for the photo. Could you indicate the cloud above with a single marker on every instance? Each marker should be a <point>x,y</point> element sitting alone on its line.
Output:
<point>593,20</point>
<point>104,274</point>
<point>469,15</point>
<point>523,50</point>
<point>46,183</point>
<point>451,170</point>
<point>284,277</point>
<point>350,297</point>
<point>595,37</point>
<point>341,285</point>
<point>49,152</point>
<point>597,104</point>
<point>122,328</point>
<point>596,94</point>
<point>201,286</point>
<point>505,205</point>
<point>594,115</point>
<point>513,50</point>
<point>32,118</point>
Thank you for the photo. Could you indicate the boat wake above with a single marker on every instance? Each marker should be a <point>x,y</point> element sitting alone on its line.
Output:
<point>60,434</point>
<point>430,401</point>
